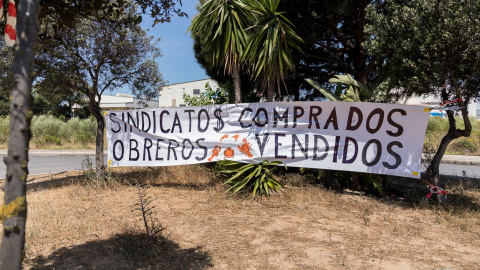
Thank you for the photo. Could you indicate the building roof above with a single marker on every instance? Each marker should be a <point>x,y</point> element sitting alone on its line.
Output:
<point>188,82</point>
<point>120,101</point>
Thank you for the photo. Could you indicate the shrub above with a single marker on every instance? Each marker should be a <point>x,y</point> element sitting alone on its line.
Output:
<point>46,125</point>
<point>48,130</point>
<point>4,124</point>
<point>437,128</point>
<point>437,124</point>
<point>466,144</point>
<point>48,139</point>
<point>257,178</point>
<point>83,138</point>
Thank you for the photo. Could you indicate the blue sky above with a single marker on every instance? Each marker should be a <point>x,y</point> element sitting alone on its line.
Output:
<point>178,63</point>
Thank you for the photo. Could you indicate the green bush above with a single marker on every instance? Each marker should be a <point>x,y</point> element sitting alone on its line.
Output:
<point>437,128</point>
<point>466,144</point>
<point>4,123</point>
<point>47,129</point>
<point>437,124</point>
<point>44,125</point>
<point>83,138</point>
<point>52,140</point>
<point>69,131</point>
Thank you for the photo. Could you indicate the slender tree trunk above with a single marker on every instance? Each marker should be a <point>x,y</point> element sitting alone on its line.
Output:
<point>433,170</point>
<point>237,84</point>
<point>14,210</point>
<point>270,89</point>
<point>99,162</point>
<point>296,88</point>
<point>359,56</point>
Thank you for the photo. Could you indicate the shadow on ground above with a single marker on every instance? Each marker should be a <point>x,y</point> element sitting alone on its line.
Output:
<point>401,192</point>
<point>409,192</point>
<point>124,251</point>
<point>198,177</point>
<point>53,180</point>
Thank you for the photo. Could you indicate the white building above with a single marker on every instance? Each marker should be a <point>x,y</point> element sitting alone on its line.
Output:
<point>172,95</point>
<point>122,101</point>
<point>478,110</point>
<point>473,107</point>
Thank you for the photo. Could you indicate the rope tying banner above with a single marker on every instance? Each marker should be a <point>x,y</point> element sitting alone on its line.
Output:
<point>448,105</point>
<point>399,198</point>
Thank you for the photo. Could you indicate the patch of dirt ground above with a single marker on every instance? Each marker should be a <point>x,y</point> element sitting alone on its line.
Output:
<point>72,225</point>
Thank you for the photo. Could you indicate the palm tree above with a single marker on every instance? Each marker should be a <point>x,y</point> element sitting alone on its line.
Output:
<point>268,49</point>
<point>221,26</point>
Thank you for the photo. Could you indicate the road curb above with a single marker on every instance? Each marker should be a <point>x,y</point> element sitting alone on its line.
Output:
<point>460,162</point>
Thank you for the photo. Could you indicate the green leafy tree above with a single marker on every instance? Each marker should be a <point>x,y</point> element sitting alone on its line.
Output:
<point>54,96</point>
<point>13,212</point>
<point>249,88</point>
<point>211,96</point>
<point>66,13</point>
<point>221,27</point>
<point>268,49</point>
<point>98,56</point>
<point>56,15</point>
<point>334,39</point>
<point>435,52</point>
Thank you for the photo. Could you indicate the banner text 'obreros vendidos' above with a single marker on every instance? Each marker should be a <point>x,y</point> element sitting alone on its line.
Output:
<point>349,136</point>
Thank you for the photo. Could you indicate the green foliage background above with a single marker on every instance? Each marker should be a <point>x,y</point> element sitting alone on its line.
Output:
<point>437,128</point>
<point>49,131</point>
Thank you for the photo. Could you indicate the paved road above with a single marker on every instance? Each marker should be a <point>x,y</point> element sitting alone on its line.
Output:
<point>52,164</point>
<point>41,165</point>
<point>53,161</point>
<point>472,171</point>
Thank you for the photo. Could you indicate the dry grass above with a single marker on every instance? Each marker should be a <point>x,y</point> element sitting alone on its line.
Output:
<point>76,226</point>
<point>36,144</point>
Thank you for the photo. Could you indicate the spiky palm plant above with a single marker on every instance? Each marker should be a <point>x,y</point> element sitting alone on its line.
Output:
<point>221,26</point>
<point>268,49</point>
<point>257,178</point>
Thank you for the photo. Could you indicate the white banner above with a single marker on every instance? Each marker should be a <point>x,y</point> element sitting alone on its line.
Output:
<point>349,136</point>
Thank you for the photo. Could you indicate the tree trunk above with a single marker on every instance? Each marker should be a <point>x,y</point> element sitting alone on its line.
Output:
<point>237,85</point>
<point>14,210</point>
<point>433,170</point>
<point>99,162</point>
<point>358,53</point>
<point>270,89</point>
